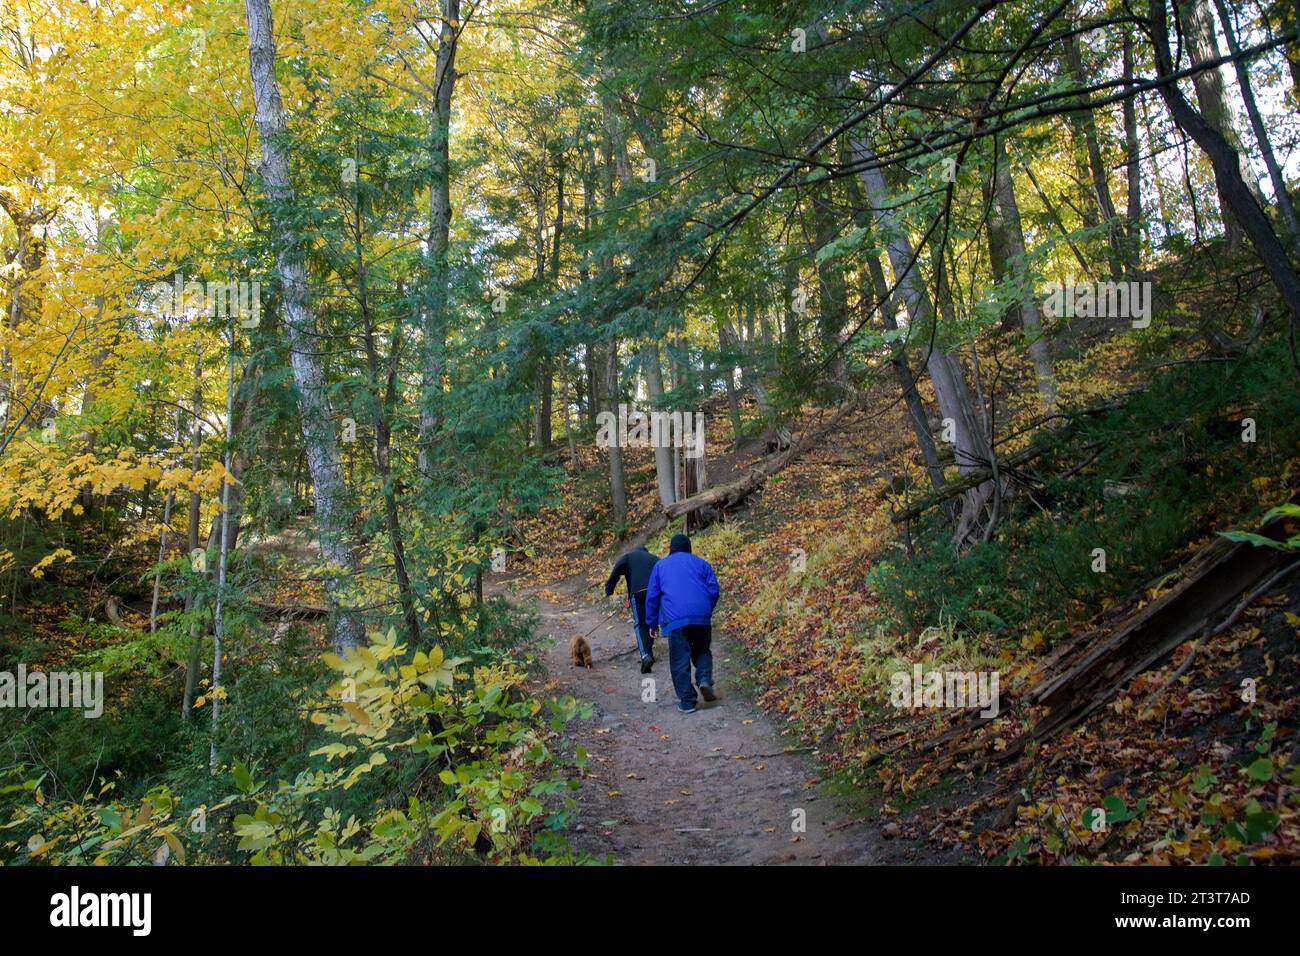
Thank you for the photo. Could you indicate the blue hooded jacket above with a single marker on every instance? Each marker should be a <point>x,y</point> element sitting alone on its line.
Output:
<point>683,590</point>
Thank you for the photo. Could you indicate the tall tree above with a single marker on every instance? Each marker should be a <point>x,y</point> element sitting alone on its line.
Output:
<point>301,334</point>
<point>448,26</point>
<point>1247,89</point>
<point>1018,263</point>
<point>1197,29</point>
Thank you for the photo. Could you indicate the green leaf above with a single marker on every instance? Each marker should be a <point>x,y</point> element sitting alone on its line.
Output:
<point>1261,770</point>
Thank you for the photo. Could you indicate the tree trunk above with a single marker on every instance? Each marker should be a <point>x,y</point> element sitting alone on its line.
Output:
<point>778,435</point>
<point>1227,175</point>
<point>1132,166</point>
<point>654,382</point>
<point>1164,198</point>
<point>970,446</point>
<point>729,379</point>
<point>1216,110</point>
<point>301,333</point>
<point>192,600</point>
<point>1018,262</point>
<point>832,297</point>
<point>1257,122</point>
<point>162,556</point>
<point>790,285</point>
<point>1087,123</point>
<point>906,380</point>
<point>546,367</point>
<point>435,330</point>
<point>998,256</point>
<point>383,398</point>
<point>566,383</point>
<point>617,486</point>
<point>223,555</point>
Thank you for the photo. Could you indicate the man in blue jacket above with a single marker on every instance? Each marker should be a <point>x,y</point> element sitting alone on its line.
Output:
<point>680,598</point>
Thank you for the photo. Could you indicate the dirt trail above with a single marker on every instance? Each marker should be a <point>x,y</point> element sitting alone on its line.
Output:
<point>662,787</point>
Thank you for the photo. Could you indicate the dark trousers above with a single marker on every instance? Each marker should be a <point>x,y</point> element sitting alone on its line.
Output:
<point>644,642</point>
<point>687,647</point>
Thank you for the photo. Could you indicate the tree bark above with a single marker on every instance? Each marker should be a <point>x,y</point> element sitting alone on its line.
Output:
<point>223,556</point>
<point>439,229</point>
<point>192,600</point>
<point>906,380</point>
<point>1087,123</point>
<point>383,398</point>
<point>729,380</point>
<point>617,485</point>
<point>832,296</point>
<point>1227,174</point>
<point>1257,122</point>
<point>1132,166</point>
<point>970,446</point>
<point>1018,263</point>
<point>654,381</point>
<point>1216,111</point>
<point>301,333</point>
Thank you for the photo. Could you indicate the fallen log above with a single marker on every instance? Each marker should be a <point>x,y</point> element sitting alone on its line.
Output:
<point>738,489</point>
<point>1083,674</point>
<point>1216,578</point>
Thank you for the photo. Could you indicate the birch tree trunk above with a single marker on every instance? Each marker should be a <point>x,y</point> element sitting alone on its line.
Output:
<point>729,379</point>
<point>319,439</point>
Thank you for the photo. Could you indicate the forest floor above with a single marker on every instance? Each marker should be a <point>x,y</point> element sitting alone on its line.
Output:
<point>720,786</point>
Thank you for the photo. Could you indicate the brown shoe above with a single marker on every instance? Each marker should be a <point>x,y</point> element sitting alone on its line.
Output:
<point>706,691</point>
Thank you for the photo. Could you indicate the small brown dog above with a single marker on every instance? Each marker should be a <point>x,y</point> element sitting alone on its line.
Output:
<point>580,650</point>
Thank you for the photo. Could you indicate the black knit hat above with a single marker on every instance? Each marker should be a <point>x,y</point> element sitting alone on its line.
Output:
<point>679,543</point>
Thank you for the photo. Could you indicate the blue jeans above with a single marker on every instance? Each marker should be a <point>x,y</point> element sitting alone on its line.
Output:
<point>689,646</point>
<point>644,642</point>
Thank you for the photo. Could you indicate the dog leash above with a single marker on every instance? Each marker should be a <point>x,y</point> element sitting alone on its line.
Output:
<point>608,617</point>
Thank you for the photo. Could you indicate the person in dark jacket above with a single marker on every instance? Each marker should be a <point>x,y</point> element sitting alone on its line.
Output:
<point>680,598</point>
<point>635,566</point>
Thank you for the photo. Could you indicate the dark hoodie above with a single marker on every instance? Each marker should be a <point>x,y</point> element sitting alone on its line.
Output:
<point>636,566</point>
